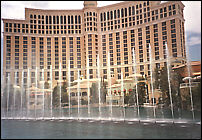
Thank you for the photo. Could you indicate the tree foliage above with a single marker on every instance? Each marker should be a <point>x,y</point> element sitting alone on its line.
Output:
<point>162,83</point>
<point>56,94</point>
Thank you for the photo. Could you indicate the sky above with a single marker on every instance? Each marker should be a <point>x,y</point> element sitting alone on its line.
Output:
<point>192,15</point>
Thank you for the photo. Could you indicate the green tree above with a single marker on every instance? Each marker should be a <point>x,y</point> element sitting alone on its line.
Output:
<point>130,98</point>
<point>64,93</point>
<point>141,93</point>
<point>103,92</point>
<point>94,93</point>
<point>56,94</point>
<point>161,82</point>
<point>196,96</point>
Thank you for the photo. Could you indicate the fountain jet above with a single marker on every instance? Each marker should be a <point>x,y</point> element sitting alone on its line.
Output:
<point>151,73</point>
<point>99,84</point>
<point>169,84</point>
<point>109,84</point>
<point>136,83</point>
<point>69,82</point>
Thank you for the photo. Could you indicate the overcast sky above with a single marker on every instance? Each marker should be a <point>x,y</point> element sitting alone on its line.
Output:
<point>192,15</point>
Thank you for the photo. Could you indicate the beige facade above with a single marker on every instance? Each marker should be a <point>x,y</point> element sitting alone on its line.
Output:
<point>69,37</point>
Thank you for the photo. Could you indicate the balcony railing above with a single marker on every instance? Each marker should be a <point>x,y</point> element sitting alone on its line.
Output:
<point>186,85</point>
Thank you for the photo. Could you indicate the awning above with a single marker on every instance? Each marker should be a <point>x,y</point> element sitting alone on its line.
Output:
<point>186,78</point>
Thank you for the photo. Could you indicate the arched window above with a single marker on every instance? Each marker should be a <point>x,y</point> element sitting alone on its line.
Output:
<point>50,20</point>
<point>101,18</point>
<point>53,19</point>
<point>72,20</point>
<point>125,12</point>
<point>133,10</point>
<point>122,13</point>
<point>57,19</point>
<point>79,19</point>
<point>114,14</point>
<point>75,19</point>
<point>118,13</point>
<point>61,19</point>
<point>111,15</point>
<point>129,11</point>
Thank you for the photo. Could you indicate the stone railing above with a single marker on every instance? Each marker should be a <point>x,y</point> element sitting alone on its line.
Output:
<point>186,85</point>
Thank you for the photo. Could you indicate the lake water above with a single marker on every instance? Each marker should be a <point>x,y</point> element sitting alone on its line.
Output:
<point>66,129</point>
<point>89,129</point>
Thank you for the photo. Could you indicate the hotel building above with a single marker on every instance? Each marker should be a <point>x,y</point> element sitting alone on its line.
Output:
<point>48,38</point>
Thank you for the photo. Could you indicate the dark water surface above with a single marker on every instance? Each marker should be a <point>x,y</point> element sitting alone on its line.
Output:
<point>72,129</point>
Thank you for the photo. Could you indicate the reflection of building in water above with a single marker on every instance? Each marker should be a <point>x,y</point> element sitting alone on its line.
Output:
<point>49,37</point>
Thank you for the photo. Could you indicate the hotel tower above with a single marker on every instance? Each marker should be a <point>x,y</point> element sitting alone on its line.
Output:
<point>73,38</point>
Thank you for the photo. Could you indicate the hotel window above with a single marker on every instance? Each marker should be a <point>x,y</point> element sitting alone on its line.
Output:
<point>119,73</point>
<point>78,53</point>
<point>48,52</point>
<point>16,52</point>
<point>25,52</point>
<point>125,47</point>
<point>132,34</point>
<point>56,53</point>
<point>41,53</point>
<point>118,48</point>
<point>173,37</point>
<point>33,55</point>
<point>8,52</point>
<point>111,48</point>
<point>71,53</point>
<point>164,37</point>
<point>104,49</point>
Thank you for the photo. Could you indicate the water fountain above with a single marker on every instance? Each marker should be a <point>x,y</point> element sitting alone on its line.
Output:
<point>28,92</point>
<point>136,83</point>
<point>169,84</point>
<point>51,87</point>
<point>78,93</point>
<point>43,93</point>
<point>60,86</point>
<point>8,93</point>
<point>109,85</point>
<point>123,95</point>
<point>88,87</point>
<point>35,95</point>
<point>189,75</point>
<point>151,75</point>
<point>99,84</point>
<point>30,113</point>
<point>69,82</point>
<point>2,97</point>
<point>14,96</point>
<point>22,92</point>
